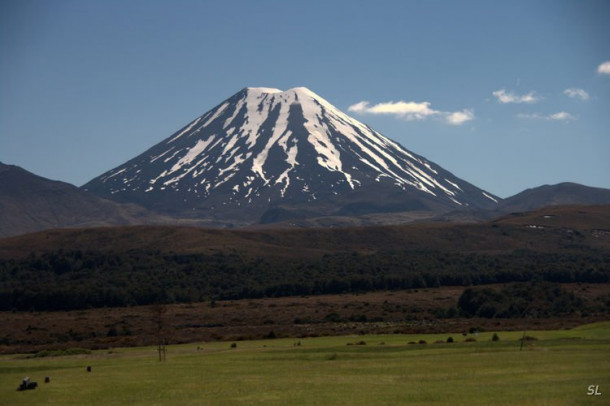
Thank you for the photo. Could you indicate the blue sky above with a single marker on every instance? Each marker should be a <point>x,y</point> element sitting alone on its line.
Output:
<point>505,94</point>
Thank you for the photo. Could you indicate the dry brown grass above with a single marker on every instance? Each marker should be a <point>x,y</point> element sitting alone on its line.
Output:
<point>378,312</point>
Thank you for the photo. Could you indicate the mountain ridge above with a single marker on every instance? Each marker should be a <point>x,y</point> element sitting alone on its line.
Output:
<point>25,207</point>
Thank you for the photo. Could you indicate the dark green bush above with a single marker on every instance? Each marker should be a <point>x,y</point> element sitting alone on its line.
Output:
<point>534,299</point>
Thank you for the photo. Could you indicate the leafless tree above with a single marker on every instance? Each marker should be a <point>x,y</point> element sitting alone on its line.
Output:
<point>159,311</point>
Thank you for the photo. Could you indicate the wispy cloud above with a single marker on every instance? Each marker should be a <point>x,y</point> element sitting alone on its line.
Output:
<point>576,93</point>
<point>507,97</point>
<point>412,111</point>
<point>561,116</point>
<point>604,68</point>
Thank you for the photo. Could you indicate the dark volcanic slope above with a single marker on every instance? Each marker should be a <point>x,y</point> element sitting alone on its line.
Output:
<point>265,155</point>
<point>29,203</point>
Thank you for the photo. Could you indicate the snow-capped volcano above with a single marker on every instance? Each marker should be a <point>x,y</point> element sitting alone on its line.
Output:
<point>264,148</point>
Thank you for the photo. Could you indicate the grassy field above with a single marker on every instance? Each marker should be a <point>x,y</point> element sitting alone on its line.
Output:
<point>556,369</point>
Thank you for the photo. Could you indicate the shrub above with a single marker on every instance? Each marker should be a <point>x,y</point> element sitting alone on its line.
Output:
<point>422,342</point>
<point>233,345</point>
<point>470,340</point>
<point>450,339</point>
<point>358,318</point>
<point>332,318</point>
<point>482,302</point>
<point>332,357</point>
<point>495,337</point>
<point>452,312</point>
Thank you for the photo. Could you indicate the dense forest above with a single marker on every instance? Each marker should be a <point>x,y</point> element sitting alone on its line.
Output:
<point>78,279</point>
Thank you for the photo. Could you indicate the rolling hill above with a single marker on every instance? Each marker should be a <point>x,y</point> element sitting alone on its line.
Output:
<point>29,203</point>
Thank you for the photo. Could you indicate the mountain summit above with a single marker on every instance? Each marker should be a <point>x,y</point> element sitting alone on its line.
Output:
<point>265,154</point>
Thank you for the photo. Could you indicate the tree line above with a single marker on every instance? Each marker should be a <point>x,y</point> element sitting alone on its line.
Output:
<point>76,279</point>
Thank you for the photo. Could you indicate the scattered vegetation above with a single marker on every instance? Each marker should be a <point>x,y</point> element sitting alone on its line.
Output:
<point>388,312</point>
<point>59,353</point>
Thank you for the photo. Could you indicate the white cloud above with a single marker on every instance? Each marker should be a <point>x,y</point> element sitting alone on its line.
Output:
<point>561,116</point>
<point>408,110</point>
<point>360,107</point>
<point>506,97</point>
<point>412,111</point>
<point>576,93</point>
<point>604,68</point>
<point>459,117</point>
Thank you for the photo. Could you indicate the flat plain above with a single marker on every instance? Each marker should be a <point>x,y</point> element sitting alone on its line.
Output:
<point>558,367</point>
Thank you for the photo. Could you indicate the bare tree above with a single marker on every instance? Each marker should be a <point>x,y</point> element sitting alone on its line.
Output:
<point>159,311</point>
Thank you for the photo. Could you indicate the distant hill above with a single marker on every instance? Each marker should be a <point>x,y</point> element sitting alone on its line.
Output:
<point>30,203</point>
<point>555,195</point>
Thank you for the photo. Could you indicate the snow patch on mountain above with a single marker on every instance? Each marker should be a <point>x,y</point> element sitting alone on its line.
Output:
<point>490,197</point>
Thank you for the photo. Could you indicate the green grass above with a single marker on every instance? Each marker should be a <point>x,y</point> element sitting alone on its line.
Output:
<point>555,370</point>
